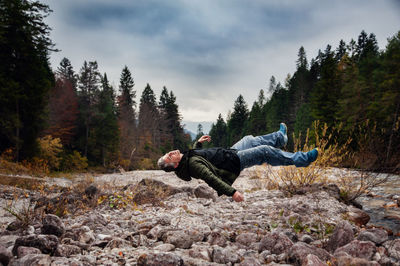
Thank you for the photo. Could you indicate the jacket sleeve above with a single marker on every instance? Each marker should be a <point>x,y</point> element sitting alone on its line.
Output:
<point>197,145</point>
<point>200,170</point>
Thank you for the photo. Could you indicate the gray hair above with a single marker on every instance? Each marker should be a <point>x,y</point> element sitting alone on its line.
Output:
<point>167,167</point>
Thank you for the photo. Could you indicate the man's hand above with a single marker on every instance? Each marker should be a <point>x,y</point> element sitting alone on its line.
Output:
<point>238,197</point>
<point>204,138</point>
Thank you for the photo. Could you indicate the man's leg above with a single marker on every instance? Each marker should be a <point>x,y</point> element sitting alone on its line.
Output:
<point>276,139</point>
<point>273,156</point>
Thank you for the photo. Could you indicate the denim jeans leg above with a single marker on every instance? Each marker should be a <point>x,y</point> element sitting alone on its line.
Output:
<point>273,156</point>
<point>274,139</point>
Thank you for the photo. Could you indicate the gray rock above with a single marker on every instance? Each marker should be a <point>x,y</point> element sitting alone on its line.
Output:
<point>140,240</point>
<point>224,255</point>
<point>118,243</point>
<point>23,251</point>
<point>60,261</point>
<point>5,255</point>
<point>32,260</point>
<point>156,259</point>
<point>357,216</point>
<point>276,242</point>
<point>178,238</point>
<point>157,231</point>
<point>165,247</point>
<point>216,238</point>
<point>359,249</point>
<point>52,225</point>
<point>198,233</point>
<point>8,240</point>
<point>249,261</point>
<point>246,239</point>
<point>342,235</point>
<point>67,250</point>
<point>348,260</point>
<point>46,243</point>
<point>393,248</point>
<point>204,191</point>
<point>313,260</point>
<point>306,239</point>
<point>200,252</point>
<point>299,252</point>
<point>376,235</point>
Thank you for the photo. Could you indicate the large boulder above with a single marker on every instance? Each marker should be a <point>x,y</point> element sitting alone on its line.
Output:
<point>247,239</point>
<point>376,235</point>
<point>52,225</point>
<point>313,260</point>
<point>359,217</point>
<point>276,242</point>
<point>204,191</point>
<point>216,238</point>
<point>23,251</point>
<point>5,255</point>
<point>64,250</point>
<point>359,249</point>
<point>298,253</point>
<point>346,260</point>
<point>178,238</point>
<point>46,243</point>
<point>342,235</point>
<point>225,255</point>
<point>32,260</point>
<point>393,248</point>
<point>163,258</point>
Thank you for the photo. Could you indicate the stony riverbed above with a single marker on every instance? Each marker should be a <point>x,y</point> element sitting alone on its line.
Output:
<point>185,223</point>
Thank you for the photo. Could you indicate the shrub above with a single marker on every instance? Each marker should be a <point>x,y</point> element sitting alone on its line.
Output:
<point>330,153</point>
<point>74,162</point>
<point>50,149</point>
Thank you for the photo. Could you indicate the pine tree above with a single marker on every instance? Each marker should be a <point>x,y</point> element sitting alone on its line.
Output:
<point>149,137</point>
<point>219,133</point>
<point>237,122</point>
<point>326,92</point>
<point>25,74</point>
<point>172,122</point>
<point>66,72</point>
<point>104,143</point>
<point>88,93</point>
<point>127,117</point>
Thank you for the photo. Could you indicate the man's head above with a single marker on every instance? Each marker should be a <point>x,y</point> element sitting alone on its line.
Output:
<point>170,160</point>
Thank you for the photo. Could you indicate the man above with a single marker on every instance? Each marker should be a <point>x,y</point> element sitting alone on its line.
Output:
<point>220,167</point>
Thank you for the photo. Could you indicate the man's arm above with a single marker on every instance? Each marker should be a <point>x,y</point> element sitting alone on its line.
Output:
<point>199,143</point>
<point>201,171</point>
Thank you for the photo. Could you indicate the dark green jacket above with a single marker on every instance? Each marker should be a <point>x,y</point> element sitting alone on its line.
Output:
<point>200,168</point>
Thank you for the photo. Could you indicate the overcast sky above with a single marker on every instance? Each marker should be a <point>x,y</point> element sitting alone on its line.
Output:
<point>209,51</point>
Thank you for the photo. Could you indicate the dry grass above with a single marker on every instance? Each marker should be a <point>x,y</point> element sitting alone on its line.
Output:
<point>332,153</point>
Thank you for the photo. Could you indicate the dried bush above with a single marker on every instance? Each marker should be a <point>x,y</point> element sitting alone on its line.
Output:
<point>330,154</point>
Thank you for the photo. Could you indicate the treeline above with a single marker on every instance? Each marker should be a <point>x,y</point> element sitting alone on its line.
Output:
<point>355,87</point>
<point>64,119</point>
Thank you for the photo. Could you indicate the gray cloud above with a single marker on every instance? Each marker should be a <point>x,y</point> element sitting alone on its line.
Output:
<point>208,52</point>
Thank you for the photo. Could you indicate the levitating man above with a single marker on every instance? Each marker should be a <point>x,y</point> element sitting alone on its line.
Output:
<point>219,167</point>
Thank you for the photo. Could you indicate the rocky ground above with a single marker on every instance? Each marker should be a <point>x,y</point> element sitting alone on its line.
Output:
<point>153,218</point>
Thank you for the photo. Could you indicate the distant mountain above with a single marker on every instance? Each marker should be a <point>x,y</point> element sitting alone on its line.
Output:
<point>192,135</point>
<point>192,126</point>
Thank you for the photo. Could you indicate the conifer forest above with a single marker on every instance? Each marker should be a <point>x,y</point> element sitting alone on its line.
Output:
<point>69,119</point>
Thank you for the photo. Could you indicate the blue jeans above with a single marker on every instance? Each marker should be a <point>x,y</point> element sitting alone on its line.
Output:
<point>265,149</point>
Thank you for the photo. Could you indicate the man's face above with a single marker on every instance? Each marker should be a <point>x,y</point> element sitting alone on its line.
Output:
<point>173,157</point>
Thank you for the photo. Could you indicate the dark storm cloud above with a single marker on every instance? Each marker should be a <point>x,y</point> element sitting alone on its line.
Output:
<point>207,50</point>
